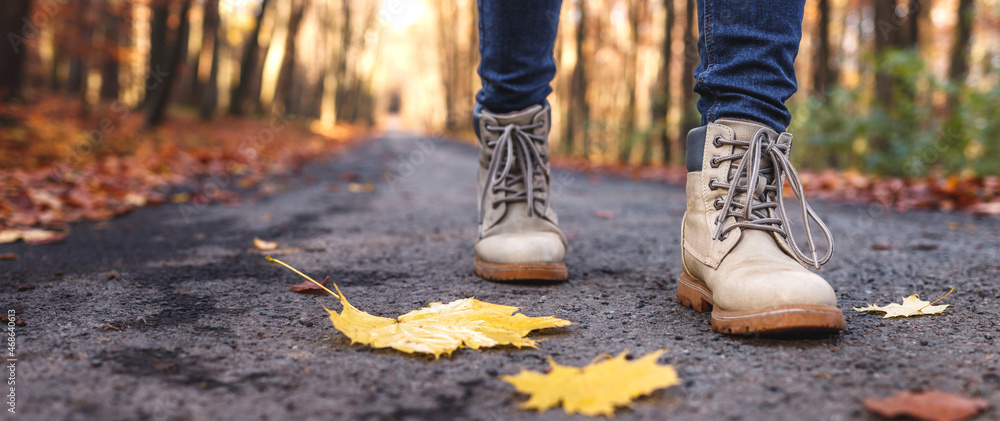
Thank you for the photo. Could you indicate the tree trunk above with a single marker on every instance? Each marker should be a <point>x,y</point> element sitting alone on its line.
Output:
<point>689,112</point>
<point>248,67</point>
<point>661,93</point>
<point>160,13</point>
<point>447,16</point>
<point>629,135</point>
<point>824,73</point>
<point>109,67</point>
<point>579,113</point>
<point>12,51</point>
<point>210,91</point>
<point>885,11</point>
<point>164,79</point>
<point>288,61</point>
<point>958,68</point>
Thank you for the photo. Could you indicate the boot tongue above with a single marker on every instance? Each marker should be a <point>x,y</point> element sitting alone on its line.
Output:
<point>520,117</point>
<point>745,130</point>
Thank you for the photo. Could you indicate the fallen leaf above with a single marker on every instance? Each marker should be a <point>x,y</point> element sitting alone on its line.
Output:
<point>360,187</point>
<point>932,405</point>
<point>136,200</point>
<point>276,252</point>
<point>880,246</point>
<point>307,287</point>
<point>264,245</point>
<point>439,328</point>
<point>25,288</point>
<point>31,236</point>
<point>911,306</point>
<point>597,388</point>
<point>604,213</point>
<point>348,176</point>
<point>177,198</point>
<point>8,256</point>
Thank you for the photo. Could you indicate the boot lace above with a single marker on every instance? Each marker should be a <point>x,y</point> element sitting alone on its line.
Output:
<point>517,168</point>
<point>748,203</point>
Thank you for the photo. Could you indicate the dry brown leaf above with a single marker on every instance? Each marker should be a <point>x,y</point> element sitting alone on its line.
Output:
<point>932,405</point>
<point>437,329</point>
<point>8,256</point>
<point>604,213</point>
<point>264,245</point>
<point>307,287</point>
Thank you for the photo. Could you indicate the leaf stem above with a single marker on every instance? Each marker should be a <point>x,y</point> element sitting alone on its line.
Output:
<point>273,260</point>
<point>939,299</point>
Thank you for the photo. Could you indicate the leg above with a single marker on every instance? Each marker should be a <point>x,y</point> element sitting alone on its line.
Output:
<point>739,256</point>
<point>515,47</point>
<point>519,237</point>
<point>747,67</point>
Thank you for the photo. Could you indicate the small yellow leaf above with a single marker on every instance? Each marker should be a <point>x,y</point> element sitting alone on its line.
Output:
<point>30,235</point>
<point>439,328</point>
<point>911,306</point>
<point>264,245</point>
<point>597,388</point>
<point>360,187</point>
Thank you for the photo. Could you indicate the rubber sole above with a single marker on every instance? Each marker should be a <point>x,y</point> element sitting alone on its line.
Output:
<point>521,272</point>
<point>806,318</point>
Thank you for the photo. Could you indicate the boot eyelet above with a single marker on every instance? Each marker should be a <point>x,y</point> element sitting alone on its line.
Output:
<point>712,185</point>
<point>716,141</point>
<point>714,162</point>
<point>718,203</point>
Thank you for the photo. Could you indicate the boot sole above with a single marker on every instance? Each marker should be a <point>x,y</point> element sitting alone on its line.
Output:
<point>521,272</point>
<point>805,318</point>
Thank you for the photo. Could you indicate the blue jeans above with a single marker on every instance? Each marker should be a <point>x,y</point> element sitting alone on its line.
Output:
<point>747,50</point>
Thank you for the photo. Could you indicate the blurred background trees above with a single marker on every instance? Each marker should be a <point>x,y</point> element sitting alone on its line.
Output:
<point>898,87</point>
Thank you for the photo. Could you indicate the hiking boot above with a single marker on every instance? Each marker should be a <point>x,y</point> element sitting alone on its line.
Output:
<point>519,237</point>
<point>740,259</point>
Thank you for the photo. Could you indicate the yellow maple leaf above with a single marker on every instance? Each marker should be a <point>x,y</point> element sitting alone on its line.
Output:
<point>439,328</point>
<point>911,306</point>
<point>597,388</point>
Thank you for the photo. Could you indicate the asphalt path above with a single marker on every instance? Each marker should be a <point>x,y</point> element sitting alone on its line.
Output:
<point>169,313</point>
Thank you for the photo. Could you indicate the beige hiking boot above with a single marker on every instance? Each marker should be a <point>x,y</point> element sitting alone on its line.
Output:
<point>739,257</point>
<point>519,236</point>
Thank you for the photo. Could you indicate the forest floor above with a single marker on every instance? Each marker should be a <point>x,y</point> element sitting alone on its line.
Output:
<point>169,312</point>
